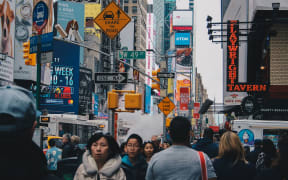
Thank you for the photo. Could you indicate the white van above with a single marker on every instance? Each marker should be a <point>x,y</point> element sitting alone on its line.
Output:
<point>249,130</point>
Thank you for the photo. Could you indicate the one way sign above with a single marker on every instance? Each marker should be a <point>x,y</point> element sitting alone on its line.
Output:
<point>111,78</point>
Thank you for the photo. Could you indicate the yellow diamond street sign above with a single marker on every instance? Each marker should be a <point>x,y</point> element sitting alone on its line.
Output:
<point>112,20</point>
<point>166,106</point>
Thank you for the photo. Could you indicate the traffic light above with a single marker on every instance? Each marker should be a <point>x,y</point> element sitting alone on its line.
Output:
<point>30,59</point>
<point>112,100</point>
<point>133,101</point>
<point>154,76</point>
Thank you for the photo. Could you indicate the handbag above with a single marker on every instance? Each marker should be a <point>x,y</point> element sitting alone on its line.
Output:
<point>203,166</point>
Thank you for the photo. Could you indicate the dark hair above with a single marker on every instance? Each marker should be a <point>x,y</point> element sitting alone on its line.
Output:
<point>282,160</point>
<point>114,149</point>
<point>208,133</point>
<point>153,145</point>
<point>179,129</point>
<point>270,152</point>
<point>137,137</point>
<point>52,142</point>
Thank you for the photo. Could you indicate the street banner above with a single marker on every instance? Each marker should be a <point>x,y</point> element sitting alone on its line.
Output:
<point>184,98</point>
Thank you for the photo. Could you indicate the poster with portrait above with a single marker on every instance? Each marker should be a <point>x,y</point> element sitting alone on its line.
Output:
<point>85,90</point>
<point>183,59</point>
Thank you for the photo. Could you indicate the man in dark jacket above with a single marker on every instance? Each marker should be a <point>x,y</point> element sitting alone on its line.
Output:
<point>20,157</point>
<point>253,155</point>
<point>67,150</point>
<point>134,164</point>
<point>206,144</point>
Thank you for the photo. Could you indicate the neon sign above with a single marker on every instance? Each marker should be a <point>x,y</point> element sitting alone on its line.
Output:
<point>233,61</point>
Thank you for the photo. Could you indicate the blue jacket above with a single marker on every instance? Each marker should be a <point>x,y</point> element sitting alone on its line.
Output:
<point>207,146</point>
<point>137,172</point>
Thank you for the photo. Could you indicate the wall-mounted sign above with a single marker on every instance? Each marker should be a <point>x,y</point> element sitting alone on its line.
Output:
<point>182,39</point>
<point>232,62</point>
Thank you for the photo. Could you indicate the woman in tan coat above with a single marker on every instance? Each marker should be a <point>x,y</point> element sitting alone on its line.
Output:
<point>101,161</point>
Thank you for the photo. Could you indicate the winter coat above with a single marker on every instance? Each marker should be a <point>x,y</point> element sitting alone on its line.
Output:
<point>207,146</point>
<point>136,172</point>
<point>24,161</point>
<point>88,170</point>
<point>226,170</point>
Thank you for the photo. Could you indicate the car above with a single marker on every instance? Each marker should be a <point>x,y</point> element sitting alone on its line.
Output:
<point>108,14</point>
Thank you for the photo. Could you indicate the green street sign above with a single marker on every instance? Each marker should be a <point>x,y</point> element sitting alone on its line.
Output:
<point>132,54</point>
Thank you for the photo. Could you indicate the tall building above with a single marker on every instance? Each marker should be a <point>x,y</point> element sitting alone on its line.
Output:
<point>158,10</point>
<point>136,9</point>
<point>169,6</point>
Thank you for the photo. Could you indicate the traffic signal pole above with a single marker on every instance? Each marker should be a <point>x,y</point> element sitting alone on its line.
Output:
<point>38,81</point>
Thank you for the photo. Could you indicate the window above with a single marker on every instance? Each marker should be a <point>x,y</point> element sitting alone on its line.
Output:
<point>126,1</point>
<point>126,9</point>
<point>134,1</point>
<point>134,9</point>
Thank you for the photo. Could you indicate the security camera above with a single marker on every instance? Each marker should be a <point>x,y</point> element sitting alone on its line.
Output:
<point>61,31</point>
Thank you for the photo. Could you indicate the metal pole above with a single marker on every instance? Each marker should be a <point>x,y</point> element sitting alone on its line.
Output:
<point>164,127</point>
<point>38,81</point>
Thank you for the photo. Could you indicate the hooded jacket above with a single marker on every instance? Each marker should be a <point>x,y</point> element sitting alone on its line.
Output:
<point>88,170</point>
<point>136,172</point>
<point>207,146</point>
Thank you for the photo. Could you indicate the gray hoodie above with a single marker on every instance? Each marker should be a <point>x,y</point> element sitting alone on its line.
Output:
<point>88,169</point>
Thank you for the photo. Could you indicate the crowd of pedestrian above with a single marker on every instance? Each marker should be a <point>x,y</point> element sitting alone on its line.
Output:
<point>133,160</point>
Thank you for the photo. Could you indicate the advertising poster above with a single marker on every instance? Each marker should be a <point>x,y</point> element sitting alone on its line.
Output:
<point>63,93</point>
<point>7,41</point>
<point>70,17</point>
<point>184,98</point>
<point>182,39</point>
<point>182,81</point>
<point>91,12</point>
<point>147,99</point>
<point>183,59</point>
<point>85,90</point>
<point>49,26</point>
<point>96,104</point>
<point>23,31</point>
<point>182,20</point>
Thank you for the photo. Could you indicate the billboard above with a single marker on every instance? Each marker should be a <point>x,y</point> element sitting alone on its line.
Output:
<point>184,98</point>
<point>85,90</point>
<point>7,41</point>
<point>49,26</point>
<point>147,99</point>
<point>182,20</point>
<point>70,16</point>
<point>182,39</point>
<point>63,94</point>
<point>91,12</point>
<point>184,60</point>
<point>23,31</point>
<point>182,81</point>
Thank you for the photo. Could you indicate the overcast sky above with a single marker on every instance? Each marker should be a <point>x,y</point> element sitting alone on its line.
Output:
<point>208,55</point>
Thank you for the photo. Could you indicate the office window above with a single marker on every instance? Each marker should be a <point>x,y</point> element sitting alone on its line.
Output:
<point>134,1</point>
<point>126,1</point>
<point>134,9</point>
<point>126,9</point>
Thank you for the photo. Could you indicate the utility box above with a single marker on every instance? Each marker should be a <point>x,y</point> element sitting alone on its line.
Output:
<point>133,101</point>
<point>112,100</point>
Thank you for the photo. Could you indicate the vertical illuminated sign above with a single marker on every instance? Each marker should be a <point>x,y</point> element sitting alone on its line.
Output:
<point>232,52</point>
<point>233,60</point>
